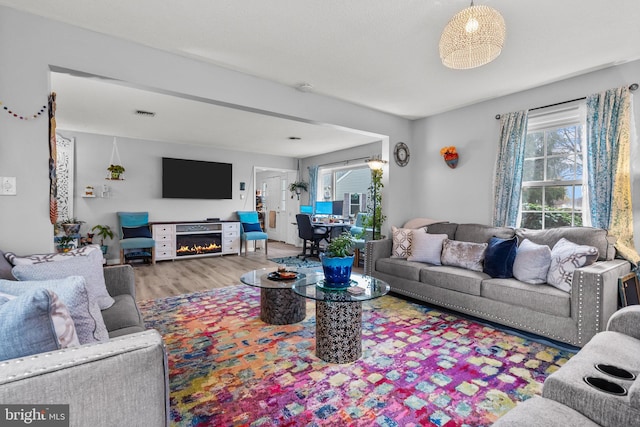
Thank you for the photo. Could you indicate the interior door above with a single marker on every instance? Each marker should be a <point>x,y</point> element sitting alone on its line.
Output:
<point>273,208</point>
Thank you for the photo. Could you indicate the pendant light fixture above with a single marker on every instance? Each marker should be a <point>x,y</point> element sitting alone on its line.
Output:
<point>473,37</point>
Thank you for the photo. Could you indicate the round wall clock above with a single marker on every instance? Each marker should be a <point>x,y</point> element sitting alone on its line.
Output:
<point>401,154</point>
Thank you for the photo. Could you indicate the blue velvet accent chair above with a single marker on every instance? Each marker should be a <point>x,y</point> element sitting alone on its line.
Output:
<point>358,249</point>
<point>357,228</point>
<point>135,233</point>
<point>250,230</point>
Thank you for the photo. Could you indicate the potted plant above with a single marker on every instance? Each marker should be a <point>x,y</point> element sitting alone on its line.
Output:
<point>116,171</point>
<point>297,188</point>
<point>337,261</point>
<point>104,231</point>
<point>372,223</point>
<point>65,243</point>
<point>71,226</point>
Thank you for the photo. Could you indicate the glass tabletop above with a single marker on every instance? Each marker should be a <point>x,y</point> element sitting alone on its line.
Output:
<point>268,277</point>
<point>311,286</point>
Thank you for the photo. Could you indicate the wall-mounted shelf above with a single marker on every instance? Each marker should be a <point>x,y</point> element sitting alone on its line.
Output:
<point>93,196</point>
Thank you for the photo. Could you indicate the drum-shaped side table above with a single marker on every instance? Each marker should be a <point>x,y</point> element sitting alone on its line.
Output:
<point>279,305</point>
<point>339,315</point>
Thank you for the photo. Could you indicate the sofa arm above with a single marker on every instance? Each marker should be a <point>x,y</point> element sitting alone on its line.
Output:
<point>120,382</point>
<point>376,249</point>
<point>120,280</point>
<point>626,321</point>
<point>594,296</point>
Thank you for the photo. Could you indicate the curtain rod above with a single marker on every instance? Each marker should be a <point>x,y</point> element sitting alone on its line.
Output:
<point>345,162</point>
<point>632,87</point>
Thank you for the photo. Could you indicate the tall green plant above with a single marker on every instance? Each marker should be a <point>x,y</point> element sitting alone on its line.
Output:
<point>375,189</point>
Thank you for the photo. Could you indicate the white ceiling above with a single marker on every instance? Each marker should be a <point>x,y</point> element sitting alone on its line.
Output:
<point>95,105</point>
<point>382,54</point>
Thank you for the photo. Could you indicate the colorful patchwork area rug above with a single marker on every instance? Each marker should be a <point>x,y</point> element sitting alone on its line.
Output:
<point>419,366</point>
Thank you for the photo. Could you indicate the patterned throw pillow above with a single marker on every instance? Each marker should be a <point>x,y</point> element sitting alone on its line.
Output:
<point>402,238</point>
<point>72,292</point>
<point>89,267</point>
<point>5,268</point>
<point>34,259</point>
<point>467,255</point>
<point>427,248</point>
<point>566,257</point>
<point>34,322</point>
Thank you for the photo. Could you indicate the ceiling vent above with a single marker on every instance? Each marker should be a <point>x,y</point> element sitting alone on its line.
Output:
<point>145,113</point>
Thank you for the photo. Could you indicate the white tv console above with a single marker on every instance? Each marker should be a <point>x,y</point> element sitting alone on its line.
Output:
<point>191,239</point>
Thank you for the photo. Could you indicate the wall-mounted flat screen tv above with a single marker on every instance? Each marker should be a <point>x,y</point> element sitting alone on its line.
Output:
<point>196,179</point>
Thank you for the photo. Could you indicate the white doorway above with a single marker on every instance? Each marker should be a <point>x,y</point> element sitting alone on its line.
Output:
<point>277,207</point>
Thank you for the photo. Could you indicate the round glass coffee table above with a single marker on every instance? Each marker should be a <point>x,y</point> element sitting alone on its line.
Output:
<point>339,314</point>
<point>279,305</point>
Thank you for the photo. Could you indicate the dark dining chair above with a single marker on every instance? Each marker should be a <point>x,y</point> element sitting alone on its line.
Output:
<point>311,236</point>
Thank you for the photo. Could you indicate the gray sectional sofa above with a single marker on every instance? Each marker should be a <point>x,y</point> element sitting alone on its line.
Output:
<point>123,381</point>
<point>573,317</point>
<point>568,400</point>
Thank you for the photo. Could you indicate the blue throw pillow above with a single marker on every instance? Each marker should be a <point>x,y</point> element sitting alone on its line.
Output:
<point>248,227</point>
<point>73,293</point>
<point>132,232</point>
<point>498,260</point>
<point>34,322</point>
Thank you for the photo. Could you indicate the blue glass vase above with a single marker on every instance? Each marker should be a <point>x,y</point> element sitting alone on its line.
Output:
<point>337,271</point>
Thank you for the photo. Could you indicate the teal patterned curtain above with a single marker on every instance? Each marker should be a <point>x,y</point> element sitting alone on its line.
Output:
<point>313,185</point>
<point>508,171</point>
<point>609,183</point>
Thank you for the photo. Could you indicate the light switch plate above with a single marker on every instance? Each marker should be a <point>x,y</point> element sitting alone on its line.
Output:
<point>8,186</point>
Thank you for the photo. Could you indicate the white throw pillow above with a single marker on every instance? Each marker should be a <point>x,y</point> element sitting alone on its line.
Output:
<point>566,257</point>
<point>467,255</point>
<point>532,263</point>
<point>90,267</point>
<point>427,248</point>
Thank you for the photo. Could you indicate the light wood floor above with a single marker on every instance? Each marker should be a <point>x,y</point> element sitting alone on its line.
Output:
<point>169,278</point>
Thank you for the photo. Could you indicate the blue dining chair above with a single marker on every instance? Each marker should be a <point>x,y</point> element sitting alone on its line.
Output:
<point>250,230</point>
<point>135,233</point>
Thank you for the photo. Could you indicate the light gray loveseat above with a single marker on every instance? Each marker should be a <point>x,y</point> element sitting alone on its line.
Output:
<point>572,318</point>
<point>120,382</point>
<point>569,401</point>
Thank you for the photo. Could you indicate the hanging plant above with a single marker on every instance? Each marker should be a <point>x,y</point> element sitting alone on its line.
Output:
<point>297,188</point>
<point>116,171</point>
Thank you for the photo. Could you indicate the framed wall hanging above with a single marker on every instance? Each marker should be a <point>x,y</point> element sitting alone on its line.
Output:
<point>629,290</point>
<point>64,176</point>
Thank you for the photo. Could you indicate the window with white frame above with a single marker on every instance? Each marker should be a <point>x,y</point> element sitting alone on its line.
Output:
<point>553,179</point>
<point>335,182</point>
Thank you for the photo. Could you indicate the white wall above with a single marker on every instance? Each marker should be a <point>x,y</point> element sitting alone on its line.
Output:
<point>29,45</point>
<point>465,194</point>
<point>142,188</point>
